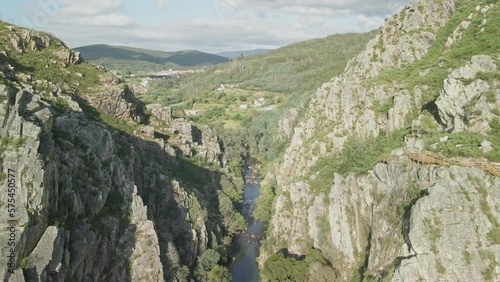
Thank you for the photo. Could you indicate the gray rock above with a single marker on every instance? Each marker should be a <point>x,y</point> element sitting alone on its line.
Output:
<point>162,113</point>
<point>47,257</point>
<point>487,146</point>
<point>458,103</point>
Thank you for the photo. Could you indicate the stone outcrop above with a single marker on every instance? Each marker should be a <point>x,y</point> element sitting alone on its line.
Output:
<point>465,106</point>
<point>95,202</point>
<point>160,112</point>
<point>348,106</point>
<point>405,219</point>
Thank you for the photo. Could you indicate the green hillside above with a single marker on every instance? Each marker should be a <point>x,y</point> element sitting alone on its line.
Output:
<point>235,54</point>
<point>286,77</point>
<point>123,58</point>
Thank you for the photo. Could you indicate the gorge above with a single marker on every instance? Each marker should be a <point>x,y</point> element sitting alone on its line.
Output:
<point>380,160</point>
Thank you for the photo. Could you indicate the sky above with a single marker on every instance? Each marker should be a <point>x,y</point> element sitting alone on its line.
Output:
<point>206,25</point>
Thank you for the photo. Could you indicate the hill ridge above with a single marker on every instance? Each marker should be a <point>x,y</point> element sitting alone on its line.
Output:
<point>112,57</point>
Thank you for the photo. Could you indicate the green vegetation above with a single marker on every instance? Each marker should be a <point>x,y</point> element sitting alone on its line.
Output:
<point>25,263</point>
<point>439,59</point>
<point>358,156</point>
<point>467,256</point>
<point>219,274</point>
<point>265,203</point>
<point>466,144</point>
<point>494,235</point>
<point>428,123</point>
<point>206,263</point>
<point>286,77</point>
<point>488,271</point>
<point>279,267</point>
<point>68,220</point>
<point>230,200</point>
<point>81,76</point>
<point>440,268</point>
<point>385,107</point>
<point>114,203</point>
<point>435,230</point>
<point>18,142</point>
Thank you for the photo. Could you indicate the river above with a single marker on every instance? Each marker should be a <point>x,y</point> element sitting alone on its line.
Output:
<point>244,268</point>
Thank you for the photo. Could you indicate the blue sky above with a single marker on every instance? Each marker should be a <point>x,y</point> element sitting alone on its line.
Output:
<point>206,25</point>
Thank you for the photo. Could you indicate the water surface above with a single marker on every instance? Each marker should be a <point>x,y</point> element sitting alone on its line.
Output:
<point>244,268</point>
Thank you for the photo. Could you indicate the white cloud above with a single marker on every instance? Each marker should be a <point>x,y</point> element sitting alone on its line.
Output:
<point>105,20</point>
<point>326,7</point>
<point>161,3</point>
<point>102,13</point>
<point>200,34</point>
<point>248,24</point>
<point>367,23</point>
<point>89,7</point>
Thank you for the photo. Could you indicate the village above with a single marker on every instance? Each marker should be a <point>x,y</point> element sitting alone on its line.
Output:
<point>140,82</point>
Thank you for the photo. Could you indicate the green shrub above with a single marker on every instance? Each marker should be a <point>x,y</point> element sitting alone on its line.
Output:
<point>494,235</point>
<point>25,263</point>
<point>114,202</point>
<point>18,142</point>
<point>206,262</point>
<point>265,203</point>
<point>279,268</point>
<point>439,59</point>
<point>490,97</point>
<point>357,156</point>
<point>467,144</point>
<point>219,274</point>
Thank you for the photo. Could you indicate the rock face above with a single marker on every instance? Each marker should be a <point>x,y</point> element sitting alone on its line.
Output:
<point>95,202</point>
<point>348,106</point>
<point>419,241</point>
<point>162,113</point>
<point>406,218</point>
<point>466,107</point>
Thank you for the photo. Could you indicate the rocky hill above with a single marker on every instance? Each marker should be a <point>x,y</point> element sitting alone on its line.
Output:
<point>104,188</point>
<point>367,178</point>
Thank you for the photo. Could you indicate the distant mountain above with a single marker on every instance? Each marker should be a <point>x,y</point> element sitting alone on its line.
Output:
<point>234,54</point>
<point>125,58</point>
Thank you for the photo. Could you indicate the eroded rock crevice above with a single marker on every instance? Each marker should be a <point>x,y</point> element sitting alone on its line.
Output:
<point>406,226</point>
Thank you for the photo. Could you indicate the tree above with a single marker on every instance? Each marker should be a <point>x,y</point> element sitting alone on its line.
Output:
<point>206,262</point>
<point>219,274</point>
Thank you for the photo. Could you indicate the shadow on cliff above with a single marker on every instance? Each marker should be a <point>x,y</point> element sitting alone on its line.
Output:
<point>152,171</point>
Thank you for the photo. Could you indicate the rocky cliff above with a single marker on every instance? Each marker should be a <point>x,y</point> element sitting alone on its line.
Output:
<point>105,189</point>
<point>393,172</point>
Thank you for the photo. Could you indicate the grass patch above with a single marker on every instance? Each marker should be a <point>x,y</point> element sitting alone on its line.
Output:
<point>384,107</point>
<point>440,268</point>
<point>439,59</point>
<point>434,228</point>
<point>494,235</point>
<point>358,156</point>
<point>465,144</point>
<point>467,256</point>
